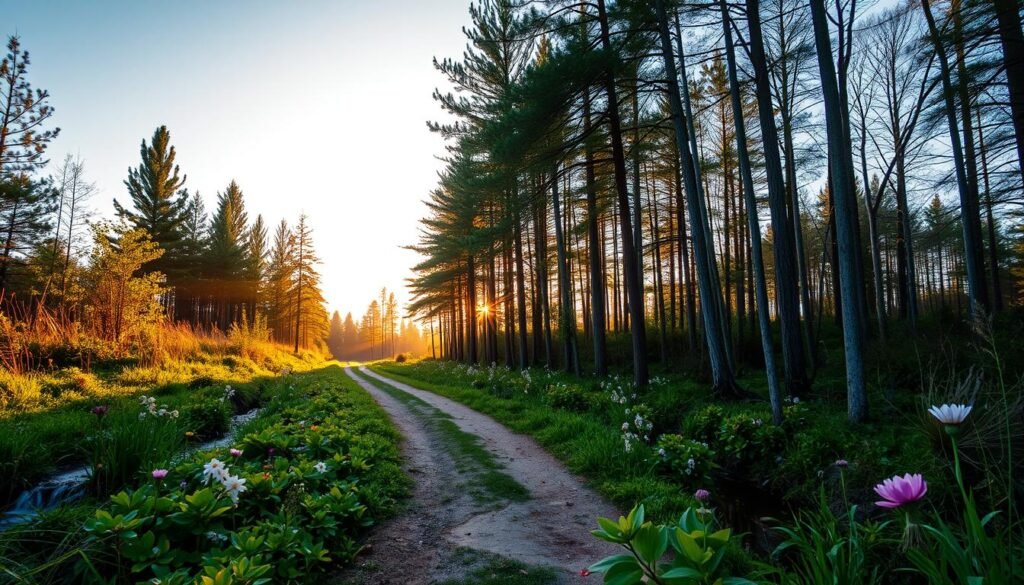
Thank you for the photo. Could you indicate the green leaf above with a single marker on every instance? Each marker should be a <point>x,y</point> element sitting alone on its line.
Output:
<point>604,565</point>
<point>682,573</point>
<point>624,574</point>
<point>689,546</point>
<point>650,542</point>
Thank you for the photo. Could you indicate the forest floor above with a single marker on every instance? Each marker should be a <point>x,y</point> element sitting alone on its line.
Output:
<point>489,505</point>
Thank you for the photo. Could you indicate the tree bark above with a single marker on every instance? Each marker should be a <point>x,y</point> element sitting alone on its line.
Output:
<point>842,173</point>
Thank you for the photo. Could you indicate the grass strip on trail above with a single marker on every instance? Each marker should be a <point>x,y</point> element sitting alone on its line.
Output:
<point>586,444</point>
<point>490,483</point>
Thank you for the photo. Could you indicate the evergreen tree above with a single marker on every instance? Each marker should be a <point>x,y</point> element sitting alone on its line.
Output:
<point>226,257</point>
<point>23,115</point>
<point>25,208</point>
<point>158,203</point>
<point>336,337</point>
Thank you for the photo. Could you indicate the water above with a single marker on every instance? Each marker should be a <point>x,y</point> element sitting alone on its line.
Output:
<point>68,486</point>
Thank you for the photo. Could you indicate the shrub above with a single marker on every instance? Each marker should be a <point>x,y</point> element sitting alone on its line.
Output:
<point>19,390</point>
<point>689,461</point>
<point>705,424</point>
<point>568,397</point>
<point>746,441</point>
<point>401,358</point>
<point>698,549</point>
<point>207,420</point>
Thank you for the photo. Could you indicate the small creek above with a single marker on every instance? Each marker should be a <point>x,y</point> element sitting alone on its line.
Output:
<point>70,485</point>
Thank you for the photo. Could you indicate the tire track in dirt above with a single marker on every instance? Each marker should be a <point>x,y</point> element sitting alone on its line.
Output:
<point>422,545</point>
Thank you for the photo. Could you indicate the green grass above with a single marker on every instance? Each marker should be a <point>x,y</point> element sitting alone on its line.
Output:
<point>353,434</point>
<point>490,483</point>
<point>587,442</point>
<point>495,570</point>
<point>585,434</point>
<point>53,433</point>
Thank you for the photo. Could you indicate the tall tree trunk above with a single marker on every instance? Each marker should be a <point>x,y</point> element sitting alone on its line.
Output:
<point>597,284</point>
<point>761,289</point>
<point>842,173</point>
<point>723,378</point>
<point>1012,39</point>
<point>638,327</point>
<point>470,311</point>
<point>716,301</point>
<point>970,219</point>
<point>566,314</point>
<point>786,278</point>
<point>993,242</point>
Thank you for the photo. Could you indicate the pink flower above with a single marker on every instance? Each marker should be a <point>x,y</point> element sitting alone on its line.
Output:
<point>100,411</point>
<point>702,495</point>
<point>270,451</point>
<point>159,473</point>
<point>898,491</point>
<point>584,572</point>
<point>236,452</point>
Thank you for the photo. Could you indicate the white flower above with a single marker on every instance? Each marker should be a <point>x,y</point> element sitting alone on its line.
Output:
<point>320,467</point>
<point>234,486</point>
<point>625,426</point>
<point>174,414</point>
<point>214,470</point>
<point>142,415</point>
<point>216,536</point>
<point>661,452</point>
<point>951,414</point>
<point>691,463</point>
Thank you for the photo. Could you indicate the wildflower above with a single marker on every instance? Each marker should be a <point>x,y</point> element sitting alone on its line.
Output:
<point>234,486</point>
<point>584,572</point>
<point>951,414</point>
<point>266,475</point>
<point>702,495</point>
<point>314,427</point>
<point>842,463</point>
<point>189,434</point>
<point>270,451</point>
<point>235,452</point>
<point>214,470</point>
<point>661,452</point>
<point>216,536</point>
<point>320,467</point>
<point>897,491</point>
<point>174,413</point>
<point>183,484</point>
<point>100,411</point>
<point>159,473</point>
<point>625,426</point>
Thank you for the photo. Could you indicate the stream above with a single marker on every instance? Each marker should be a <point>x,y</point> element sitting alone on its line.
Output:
<point>68,486</point>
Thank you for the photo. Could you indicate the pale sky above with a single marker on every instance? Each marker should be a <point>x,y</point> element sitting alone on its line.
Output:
<point>317,106</point>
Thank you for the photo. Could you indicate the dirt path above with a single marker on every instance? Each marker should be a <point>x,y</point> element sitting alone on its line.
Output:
<point>427,543</point>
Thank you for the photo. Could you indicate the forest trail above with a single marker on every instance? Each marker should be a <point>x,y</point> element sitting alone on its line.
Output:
<point>478,487</point>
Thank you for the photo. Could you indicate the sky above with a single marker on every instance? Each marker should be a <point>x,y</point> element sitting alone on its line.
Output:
<point>318,106</point>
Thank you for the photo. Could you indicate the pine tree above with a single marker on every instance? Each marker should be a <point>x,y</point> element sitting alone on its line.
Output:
<point>25,208</point>
<point>336,337</point>
<point>256,264</point>
<point>280,279</point>
<point>23,115</point>
<point>310,316</point>
<point>158,203</point>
